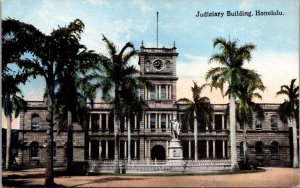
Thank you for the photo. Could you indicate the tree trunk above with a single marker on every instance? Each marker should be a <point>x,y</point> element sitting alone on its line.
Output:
<point>49,177</point>
<point>129,140</point>
<point>116,130</point>
<point>245,145</point>
<point>70,144</point>
<point>8,142</point>
<point>234,165</point>
<point>295,148</point>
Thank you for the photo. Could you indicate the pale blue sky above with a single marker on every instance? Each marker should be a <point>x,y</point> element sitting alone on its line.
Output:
<point>276,37</point>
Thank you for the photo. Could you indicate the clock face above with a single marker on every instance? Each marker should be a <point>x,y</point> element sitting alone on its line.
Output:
<point>158,65</point>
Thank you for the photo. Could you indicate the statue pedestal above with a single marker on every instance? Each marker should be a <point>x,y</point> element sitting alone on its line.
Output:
<point>175,150</point>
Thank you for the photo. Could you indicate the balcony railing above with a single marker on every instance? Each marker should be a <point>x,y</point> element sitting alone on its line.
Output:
<point>158,166</point>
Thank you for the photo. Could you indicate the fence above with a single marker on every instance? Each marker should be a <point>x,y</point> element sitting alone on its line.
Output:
<point>155,166</point>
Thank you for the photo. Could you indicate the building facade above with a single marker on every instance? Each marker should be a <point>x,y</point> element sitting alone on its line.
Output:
<point>148,137</point>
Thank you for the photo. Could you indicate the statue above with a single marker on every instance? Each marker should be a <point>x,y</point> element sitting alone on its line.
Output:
<point>175,129</point>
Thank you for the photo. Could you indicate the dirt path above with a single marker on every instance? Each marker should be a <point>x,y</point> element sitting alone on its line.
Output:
<point>273,177</point>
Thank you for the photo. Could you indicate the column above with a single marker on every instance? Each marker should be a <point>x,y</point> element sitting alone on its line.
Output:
<point>129,141</point>
<point>159,121</point>
<point>167,149</point>
<point>167,92</point>
<point>90,149</point>
<point>125,149</point>
<point>190,149</point>
<point>106,121</point>
<point>135,149</point>
<point>167,121</point>
<point>156,126</point>
<point>223,122</point>
<point>159,92</point>
<point>149,94</point>
<point>146,121</point>
<point>100,149</point>
<point>125,122</point>
<point>90,122</point>
<point>149,149</point>
<point>207,148</point>
<point>213,123</point>
<point>149,125</point>
<point>135,122</point>
<point>170,92</point>
<point>100,121</point>
<point>146,94</point>
<point>145,149</point>
<point>223,144</point>
<point>214,149</point>
<point>106,149</point>
<point>196,136</point>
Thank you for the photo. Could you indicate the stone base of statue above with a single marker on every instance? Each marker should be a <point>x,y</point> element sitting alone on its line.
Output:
<point>175,150</point>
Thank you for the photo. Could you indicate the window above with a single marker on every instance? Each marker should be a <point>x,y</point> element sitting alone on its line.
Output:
<point>152,121</point>
<point>163,121</point>
<point>274,148</point>
<point>218,122</point>
<point>258,124</point>
<point>148,66</point>
<point>163,92</point>
<point>95,122</point>
<point>54,149</point>
<point>35,122</point>
<point>153,94</point>
<point>94,149</point>
<point>259,148</point>
<point>169,66</point>
<point>34,149</point>
<point>274,122</point>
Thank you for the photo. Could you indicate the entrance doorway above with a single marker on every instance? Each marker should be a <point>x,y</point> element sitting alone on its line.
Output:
<point>158,152</point>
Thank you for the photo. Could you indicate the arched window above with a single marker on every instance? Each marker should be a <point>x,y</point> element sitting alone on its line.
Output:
<point>148,66</point>
<point>35,122</point>
<point>259,148</point>
<point>169,66</point>
<point>34,149</point>
<point>274,122</point>
<point>163,92</point>
<point>274,148</point>
<point>54,149</point>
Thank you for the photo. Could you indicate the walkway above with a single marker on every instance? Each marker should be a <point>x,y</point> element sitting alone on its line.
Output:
<point>272,177</point>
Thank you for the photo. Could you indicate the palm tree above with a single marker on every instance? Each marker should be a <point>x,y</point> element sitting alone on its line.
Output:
<point>288,111</point>
<point>12,102</point>
<point>245,107</point>
<point>115,75</point>
<point>203,109</point>
<point>45,63</point>
<point>12,98</point>
<point>231,59</point>
<point>72,93</point>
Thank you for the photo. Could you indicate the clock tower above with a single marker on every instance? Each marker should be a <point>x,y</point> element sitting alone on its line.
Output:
<point>158,65</point>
